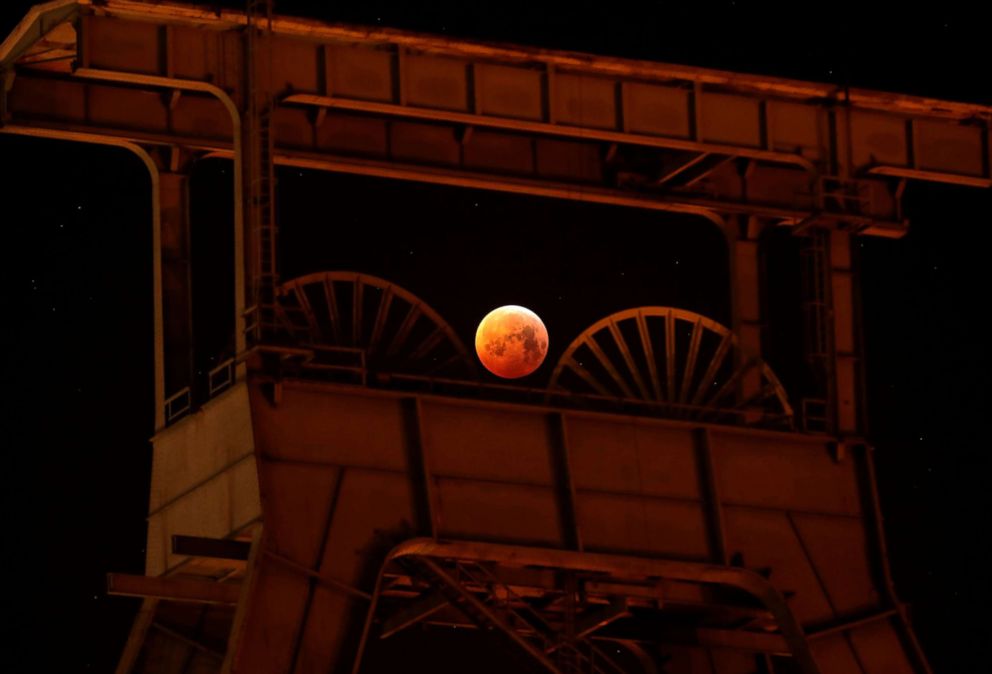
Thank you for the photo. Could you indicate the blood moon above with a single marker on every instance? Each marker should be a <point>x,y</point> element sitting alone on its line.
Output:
<point>511,341</point>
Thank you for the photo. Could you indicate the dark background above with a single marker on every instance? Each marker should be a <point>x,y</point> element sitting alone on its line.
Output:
<point>76,310</point>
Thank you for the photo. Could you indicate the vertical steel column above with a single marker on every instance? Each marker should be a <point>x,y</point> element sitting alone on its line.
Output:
<point>745,295</point>
<point>710,491</point>
<point>176,281</point>
<point>845,350</point>
<point>818,409</point>
<point>259,178</point>
<point>830,327</point>
<point>565,487</point>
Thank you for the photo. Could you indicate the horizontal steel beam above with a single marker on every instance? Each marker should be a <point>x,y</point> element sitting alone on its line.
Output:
<point>545,128</point>
<point>218,19</point>
<point>215,548</point>
<point>107,103</point>
<point>172,589</point>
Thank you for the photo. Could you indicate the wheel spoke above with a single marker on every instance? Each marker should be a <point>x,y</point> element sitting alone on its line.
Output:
<point>690,361</point>
<point>731,383</point>
<point>357,297</point>
<point>670,354</point>
<point>628,358</point>
<point>642,330</point>
<point>711,370</point>
<point>607,364</point>
<point>332,308</point>
<point>588,378</point>
<point>399,339</point>
<point>380,318</point>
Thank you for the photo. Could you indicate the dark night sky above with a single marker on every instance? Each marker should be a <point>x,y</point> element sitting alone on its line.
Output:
<point>77,286</point>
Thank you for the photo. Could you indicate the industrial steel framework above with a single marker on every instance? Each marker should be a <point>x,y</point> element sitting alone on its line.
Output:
<point>302,512</point>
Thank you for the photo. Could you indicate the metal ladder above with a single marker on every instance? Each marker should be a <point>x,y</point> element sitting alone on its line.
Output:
<point>260,185</point>
<point>815,261</point>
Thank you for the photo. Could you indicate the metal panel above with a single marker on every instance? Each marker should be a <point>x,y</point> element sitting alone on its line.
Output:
<point>632,459</point>
<point>493,511</point>
<point>273,620</point>
<point>127,46</point>
<point>435,82</point>
<point>325,637</point>
<point>569,160</point>
<point>955,148</point>
<point>878,139</point>
<point>791,475</point>
<point>842,289</point>
<point>620,523</point>
<point>584,101</point>
<point>837,548</point>
<point>292,128</point>
<point>353,135</point>
<point>192,52</point>
<point>500,152</point>
<point>334,429</point>
<point>360,72</point>
<point>296,517</point>
<point>427,143</point>
<point>834,655</point>
<point>296,65</point>
<point>781,185</point>
<point>734,120</point>
<point>879,649</point>
<point>369,505</point>
<point>847,388</point>
<point>491,472</point>
<point>509,92</point>
<point>201,116</point>
<point>767,540</point>
<point>488,444</point>
<point>414,150</point>
<point>658,111</point>
<point>46,97</point>
<point>359,66</point>
<point>126,108</point>
<point>795,127</point>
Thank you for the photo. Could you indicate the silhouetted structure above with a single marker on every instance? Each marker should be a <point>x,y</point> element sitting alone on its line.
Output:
<point>664,505</point>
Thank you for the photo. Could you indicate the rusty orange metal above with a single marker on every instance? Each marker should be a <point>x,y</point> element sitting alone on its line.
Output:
<point>380,497</point>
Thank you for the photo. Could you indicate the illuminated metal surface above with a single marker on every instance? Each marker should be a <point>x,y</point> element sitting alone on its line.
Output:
<point>353,471</point>
<point>519,488</point>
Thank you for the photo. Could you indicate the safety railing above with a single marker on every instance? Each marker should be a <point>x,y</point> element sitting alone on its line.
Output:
<point>178,405</point>
<point>188,399</point>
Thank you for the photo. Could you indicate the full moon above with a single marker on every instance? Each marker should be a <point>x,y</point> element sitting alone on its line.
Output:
<point>511,341</point>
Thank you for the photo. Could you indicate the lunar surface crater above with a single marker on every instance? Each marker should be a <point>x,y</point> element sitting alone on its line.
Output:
<point>511,341</point>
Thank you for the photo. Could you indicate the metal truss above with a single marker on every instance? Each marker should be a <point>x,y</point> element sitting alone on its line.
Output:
<point>564,608</point>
